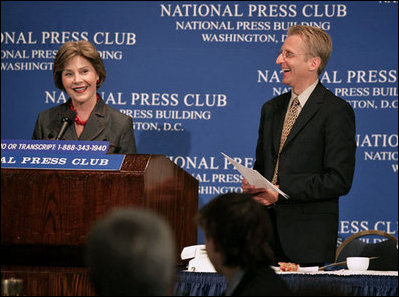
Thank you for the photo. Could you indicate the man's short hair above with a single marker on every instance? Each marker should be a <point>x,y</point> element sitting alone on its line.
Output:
<point>318,43</point>
<point>131,252</point>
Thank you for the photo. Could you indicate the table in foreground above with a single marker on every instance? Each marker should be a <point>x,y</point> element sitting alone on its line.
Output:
<point>323,283</point>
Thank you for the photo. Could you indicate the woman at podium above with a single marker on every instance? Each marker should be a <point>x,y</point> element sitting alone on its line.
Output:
<point>79,71</point>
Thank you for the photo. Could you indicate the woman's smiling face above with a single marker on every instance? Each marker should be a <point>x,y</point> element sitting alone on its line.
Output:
<point>79,79</point>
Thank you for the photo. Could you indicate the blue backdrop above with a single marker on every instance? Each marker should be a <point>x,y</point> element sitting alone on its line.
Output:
<point>194,75</point>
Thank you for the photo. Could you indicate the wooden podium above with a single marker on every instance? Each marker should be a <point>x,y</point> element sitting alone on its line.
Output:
<point>46,216</point>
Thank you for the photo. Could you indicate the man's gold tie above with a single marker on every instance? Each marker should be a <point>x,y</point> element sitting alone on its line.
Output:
<point>288,123</point>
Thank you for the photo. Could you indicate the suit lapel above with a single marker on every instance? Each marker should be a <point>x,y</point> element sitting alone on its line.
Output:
<point>70,133</point>
<point>278,122</point>
<point>96,123</point>
<point>311,107</point>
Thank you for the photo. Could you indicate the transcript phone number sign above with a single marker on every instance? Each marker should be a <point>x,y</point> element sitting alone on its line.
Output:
<point>54,146</point>
<point>55,154</point>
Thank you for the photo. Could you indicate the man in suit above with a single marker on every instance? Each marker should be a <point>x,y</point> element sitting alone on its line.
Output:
<point>237,232</point>
<point>306,147</point>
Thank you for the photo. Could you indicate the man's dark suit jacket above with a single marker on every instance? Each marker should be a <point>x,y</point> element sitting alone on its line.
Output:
<point>261,282</point>
<point>104,124</point>
<point>316,167</point>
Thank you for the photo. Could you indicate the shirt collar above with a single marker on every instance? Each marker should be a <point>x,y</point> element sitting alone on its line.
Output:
<point>304,96</point>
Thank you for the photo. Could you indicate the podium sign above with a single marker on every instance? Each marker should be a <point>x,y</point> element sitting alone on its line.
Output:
<point>58,154</point>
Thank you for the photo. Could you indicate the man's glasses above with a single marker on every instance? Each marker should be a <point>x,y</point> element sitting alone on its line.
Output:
<point>288,54</point>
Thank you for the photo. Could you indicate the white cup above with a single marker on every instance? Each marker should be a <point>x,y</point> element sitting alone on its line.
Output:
<point>357,263</point>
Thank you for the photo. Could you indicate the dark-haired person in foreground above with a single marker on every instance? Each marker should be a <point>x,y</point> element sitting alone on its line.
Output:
<point>237,232</point>
<point>131,252</point>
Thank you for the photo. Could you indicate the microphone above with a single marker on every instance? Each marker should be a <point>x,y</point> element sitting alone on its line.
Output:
<point>66,121</point>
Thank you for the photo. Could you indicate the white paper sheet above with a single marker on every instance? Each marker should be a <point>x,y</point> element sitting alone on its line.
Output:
<point>254,177</point>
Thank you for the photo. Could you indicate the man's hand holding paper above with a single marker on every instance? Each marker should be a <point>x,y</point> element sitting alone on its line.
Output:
<point>254,183</point>
<point>262,195</point>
